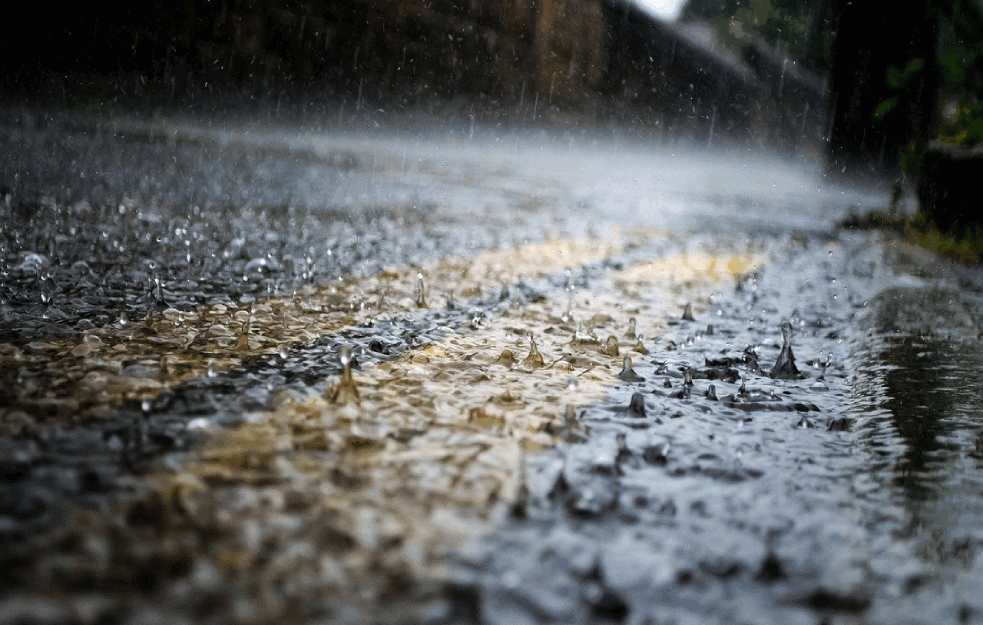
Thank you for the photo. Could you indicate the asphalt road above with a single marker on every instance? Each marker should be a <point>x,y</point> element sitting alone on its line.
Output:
<point>255,373</point>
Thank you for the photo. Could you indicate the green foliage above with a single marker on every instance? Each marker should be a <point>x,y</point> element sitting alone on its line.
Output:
<point>967,129</point>
<point>964,246</point>
<point>899,81</point>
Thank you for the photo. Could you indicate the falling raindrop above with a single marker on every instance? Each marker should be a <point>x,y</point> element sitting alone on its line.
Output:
<point>212,369</point>
<point>160,304</point>
<point>421,301</point>
<point>568,313</point>
<point>283,352</point>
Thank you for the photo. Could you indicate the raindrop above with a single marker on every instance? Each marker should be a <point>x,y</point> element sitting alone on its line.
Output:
<point>628,373</point>
<point>611,347</point>
<point>160,304</point>
<point>506,359</point>
<point>784,368</point>
<point>709,330</point>
<point>568,313</point>
<point>630,333</point>
<point>283,352</point>
<point>242,342</point>
<point>421,301</point>
<point>688,376</point>
<point>477,319</point>
<point>640,346</point>
<point>212,369</point>
<point>345,391</point>
<point>571,384</point>
<point>688,312</point>
<point>534,360</point>
<point>711,393</point>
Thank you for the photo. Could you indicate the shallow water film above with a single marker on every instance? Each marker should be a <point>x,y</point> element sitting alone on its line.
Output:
<point>253,374</point>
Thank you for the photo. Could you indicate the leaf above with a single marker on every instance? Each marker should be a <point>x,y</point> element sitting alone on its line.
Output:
<point>885,107</point>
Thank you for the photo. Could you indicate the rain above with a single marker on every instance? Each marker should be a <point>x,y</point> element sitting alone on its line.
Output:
<point>614,311</point>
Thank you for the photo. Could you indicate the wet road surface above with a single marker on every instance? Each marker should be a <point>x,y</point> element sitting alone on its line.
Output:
<point>566,398</point>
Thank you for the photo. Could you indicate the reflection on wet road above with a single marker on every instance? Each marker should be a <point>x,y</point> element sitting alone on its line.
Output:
<point>568,396</point>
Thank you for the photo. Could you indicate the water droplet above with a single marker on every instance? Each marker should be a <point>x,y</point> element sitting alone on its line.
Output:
<point>506,359</point>
<point>534,360</point>
<point>611,347</point>
<point>345,391</point>
<point>242,342</point>
<point>571,383</point>
<point>212,369</point>
<point>628,373</point>
<point>784,368</point>
<point>283,352</point>
<point>630,333</point>
<point>711,393</point>
<point>421,300</point>
<point>145,406</point>
<point>688,376</point>
<point>688,312</point>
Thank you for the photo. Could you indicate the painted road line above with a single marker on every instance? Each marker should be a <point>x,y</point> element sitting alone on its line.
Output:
<point>356,499</point>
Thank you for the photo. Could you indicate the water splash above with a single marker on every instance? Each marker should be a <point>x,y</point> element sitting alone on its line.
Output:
<point>345,391</point>
<point>688,312</point>
<point>534,360</point>
<point>784,368</point>
<point>611,347</point>
<point>628,373</point>
<point>421,300</point>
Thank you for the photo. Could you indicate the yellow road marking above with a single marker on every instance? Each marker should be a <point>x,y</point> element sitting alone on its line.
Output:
<point>322,498</point>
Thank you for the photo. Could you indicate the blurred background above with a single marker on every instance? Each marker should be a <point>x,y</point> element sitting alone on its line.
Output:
<point>855,83</point>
